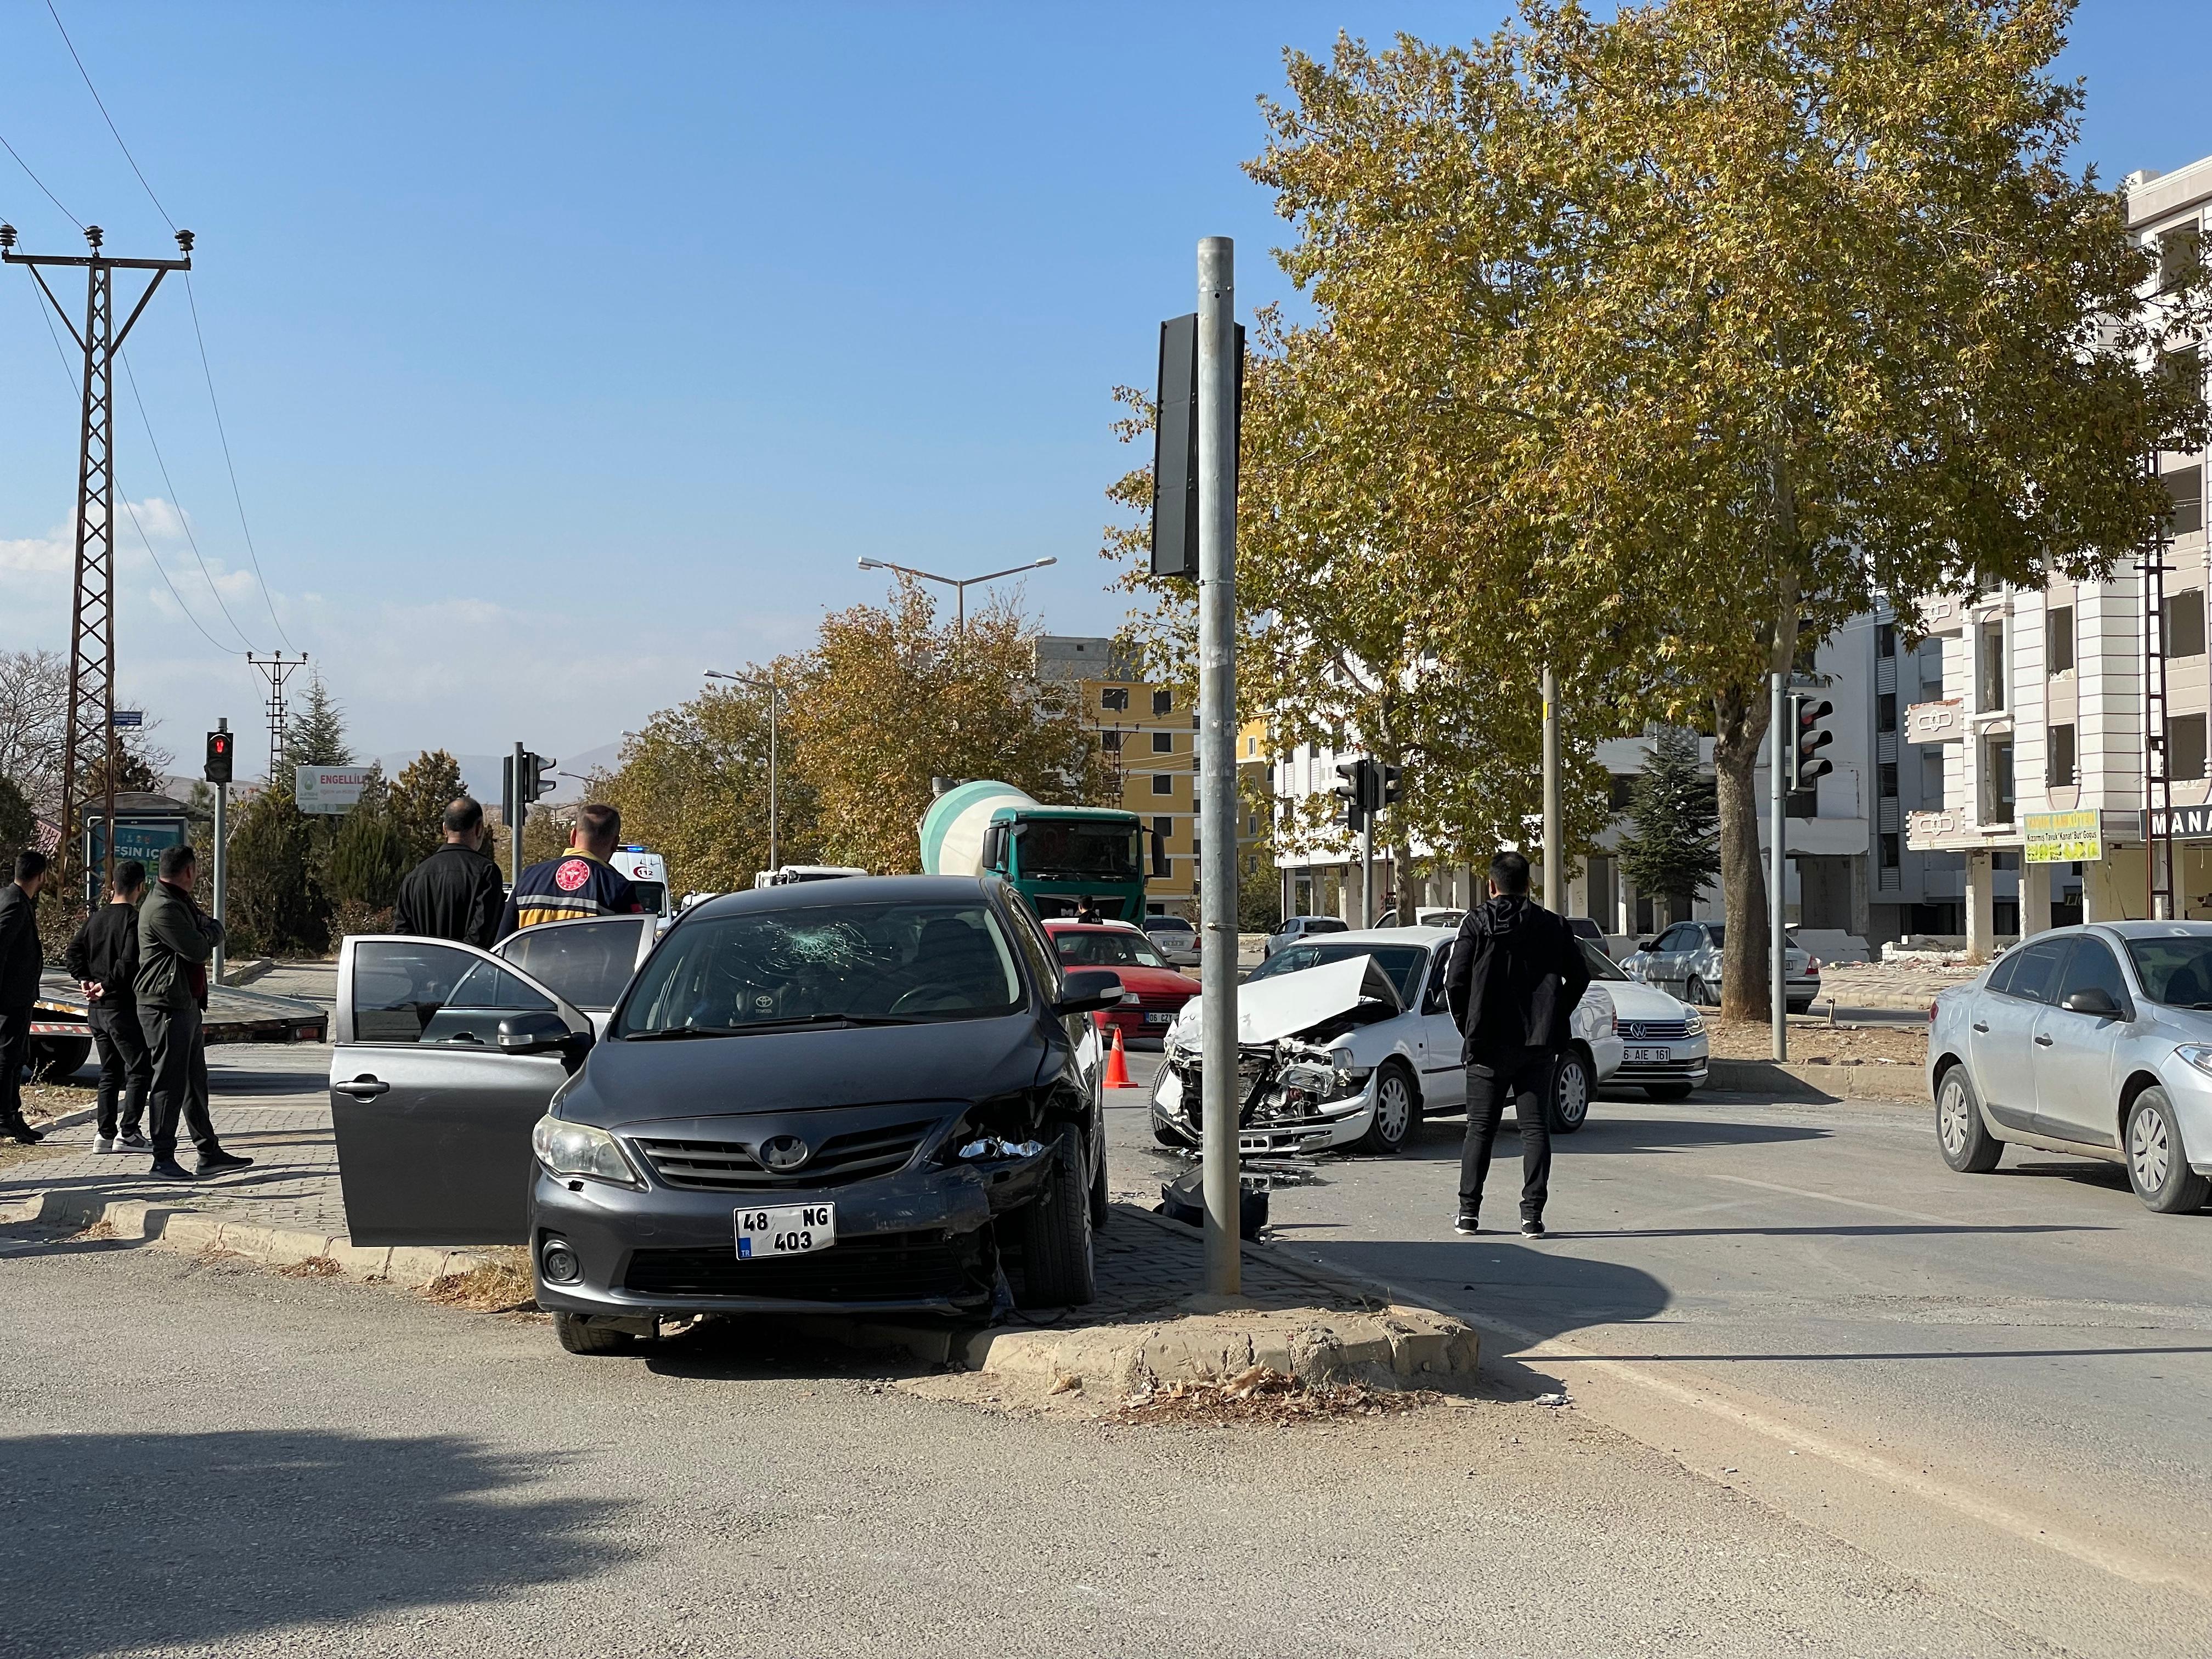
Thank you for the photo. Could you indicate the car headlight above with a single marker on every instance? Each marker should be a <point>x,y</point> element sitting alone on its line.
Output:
<point>2197,1054</point>
<point>1693,1023</point>
<point>582,1150</point>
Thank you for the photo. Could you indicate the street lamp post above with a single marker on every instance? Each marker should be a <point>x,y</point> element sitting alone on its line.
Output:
<point>959,585</point>
<point>774,690</point>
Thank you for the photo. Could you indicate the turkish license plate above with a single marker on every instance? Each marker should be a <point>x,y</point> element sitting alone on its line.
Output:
<point>1647,1056</point>
<point>786,1230</point>
<point>1162,1018</point>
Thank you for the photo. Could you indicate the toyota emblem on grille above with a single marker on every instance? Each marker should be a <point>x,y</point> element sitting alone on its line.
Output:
<point>784,1153</point>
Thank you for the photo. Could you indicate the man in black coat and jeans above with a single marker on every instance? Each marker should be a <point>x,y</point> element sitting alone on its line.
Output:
<point>104,958</point>
<point>456,893</point>
<point>22,959</point>
<point>1516,972</point>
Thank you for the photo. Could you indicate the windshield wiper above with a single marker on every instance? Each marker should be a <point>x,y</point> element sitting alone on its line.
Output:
<point>675,1033</point>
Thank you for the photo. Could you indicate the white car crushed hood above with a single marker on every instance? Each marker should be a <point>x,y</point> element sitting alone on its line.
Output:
<point>1290,1004</point>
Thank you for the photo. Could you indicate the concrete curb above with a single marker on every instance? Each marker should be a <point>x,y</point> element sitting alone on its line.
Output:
<point>246,972</point>
<point>172,1227</point>
<point>1818,1083</point>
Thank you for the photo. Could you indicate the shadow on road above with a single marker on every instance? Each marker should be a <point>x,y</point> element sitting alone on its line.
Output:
<point>1439,1140</point>
<point>123,1541</point>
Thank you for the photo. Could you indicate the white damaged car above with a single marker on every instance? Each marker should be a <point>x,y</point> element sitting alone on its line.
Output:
<point>1345,1041</point>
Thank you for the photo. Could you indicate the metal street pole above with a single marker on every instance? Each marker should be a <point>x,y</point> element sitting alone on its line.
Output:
<point>1217,762</point>
<point>518,810</point>
<point>1555,895</point>
<point>1778,1006</point>
<point>774,690</point>
<point>1367,868</point>
<point>221,857</point>
<point>959,585</point>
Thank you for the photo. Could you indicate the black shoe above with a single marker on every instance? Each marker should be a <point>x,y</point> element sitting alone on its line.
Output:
<point>134,1140</point>
<point>221,1162</point>
<point>168,1169</point>
<point>1466,1224</point>
<point>22,1133</point>
<point>1531,1227</point>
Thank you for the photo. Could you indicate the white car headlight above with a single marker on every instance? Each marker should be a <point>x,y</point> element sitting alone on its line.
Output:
<point>1693,1023</point>
<point>571,1150</point>
<point>2197,1054</point>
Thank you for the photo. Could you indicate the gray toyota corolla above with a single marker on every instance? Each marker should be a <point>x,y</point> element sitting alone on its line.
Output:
<point>876,1094</point>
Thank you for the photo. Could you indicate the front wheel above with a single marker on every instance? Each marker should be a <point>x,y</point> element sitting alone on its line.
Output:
<point>1568,1109</point>
<point>1394,1112</point>
<point>1054,1230</point>
<point>2158,1163</point>
<point>580,1333</point>
<point>53,1059</point>
<point>1697,993</point>
<point>1968,1145</point>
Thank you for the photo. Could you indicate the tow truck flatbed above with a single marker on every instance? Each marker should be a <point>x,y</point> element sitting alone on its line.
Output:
<point>61,1035</point>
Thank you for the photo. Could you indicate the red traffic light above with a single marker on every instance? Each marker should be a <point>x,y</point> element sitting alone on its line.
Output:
<point>218,767</point>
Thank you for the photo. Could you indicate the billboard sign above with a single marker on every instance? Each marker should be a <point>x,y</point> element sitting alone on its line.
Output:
<point>2062,838</point>
<point>331,790</point>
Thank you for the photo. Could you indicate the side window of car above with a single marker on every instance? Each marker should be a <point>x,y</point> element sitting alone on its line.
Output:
<point>2001,975</point>
<point>1433,1000</point>
<point>2036,978</point>
<point>1676,938</point>
<point>588,962</point>
<point>2091,967</point>
<point>1045,961</point>
<point>421,991</point>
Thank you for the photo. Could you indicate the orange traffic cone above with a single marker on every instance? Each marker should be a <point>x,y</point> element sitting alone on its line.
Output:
<point>1117,1068</point>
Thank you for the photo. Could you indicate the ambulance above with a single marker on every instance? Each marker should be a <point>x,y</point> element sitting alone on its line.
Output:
<point>648,873</point>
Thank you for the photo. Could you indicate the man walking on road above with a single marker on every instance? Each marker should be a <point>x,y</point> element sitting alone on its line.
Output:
<point>455,892</point>
<point>1514,978</point>
<point>579,883</point>
<point>175,942</point>
<point>104,958</point>
<point>22,959</point>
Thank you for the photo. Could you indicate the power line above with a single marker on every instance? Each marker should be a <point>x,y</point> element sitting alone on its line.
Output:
<point>192,301</point>
<point>105,116</point>
<point>154,444</point>
<point>41,183</point>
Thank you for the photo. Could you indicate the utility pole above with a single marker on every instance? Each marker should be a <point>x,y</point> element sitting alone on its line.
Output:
<point>775,690</point>
<point>1776,972</point>
<point>1555,880</point>
<point>275,667</point>
<point>222,850</point>
<point>89,737</point>
<point>1219,361</point>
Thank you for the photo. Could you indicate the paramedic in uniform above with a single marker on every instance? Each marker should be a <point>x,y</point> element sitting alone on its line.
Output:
<point>581,882</point>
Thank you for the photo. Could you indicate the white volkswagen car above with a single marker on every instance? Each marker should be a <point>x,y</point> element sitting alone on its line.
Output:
<point>1345,1042</point>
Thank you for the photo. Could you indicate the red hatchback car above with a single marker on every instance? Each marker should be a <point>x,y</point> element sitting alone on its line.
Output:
<point>1153,994</point>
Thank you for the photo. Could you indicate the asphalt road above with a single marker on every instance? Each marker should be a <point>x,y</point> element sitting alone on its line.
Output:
<point>2010,1374</point>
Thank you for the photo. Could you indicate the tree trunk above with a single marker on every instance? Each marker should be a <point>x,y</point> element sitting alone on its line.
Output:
<point>1740,724</point>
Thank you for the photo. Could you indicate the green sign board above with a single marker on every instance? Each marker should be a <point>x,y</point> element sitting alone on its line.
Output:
<point>140,838</point>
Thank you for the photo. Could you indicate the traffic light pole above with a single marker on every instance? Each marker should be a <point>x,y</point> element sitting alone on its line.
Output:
<point>1555,864</point>
<point>221,860</point>
<point>516,810</point>
<point>1776,971</point>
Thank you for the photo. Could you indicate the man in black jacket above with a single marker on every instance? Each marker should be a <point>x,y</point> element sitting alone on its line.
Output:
<point>104,958</point>
<point>1514,978</point>
<point>22,959</point>
<point>456,892</point>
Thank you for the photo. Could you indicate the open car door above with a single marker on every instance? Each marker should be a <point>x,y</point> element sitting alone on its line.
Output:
<point>588,963</point>
<point>432,1115</point>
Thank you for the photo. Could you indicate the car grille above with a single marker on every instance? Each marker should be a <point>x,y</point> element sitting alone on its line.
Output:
<point>925,1267</point>
<point>1653,1031</point>
<point>731,1166</point>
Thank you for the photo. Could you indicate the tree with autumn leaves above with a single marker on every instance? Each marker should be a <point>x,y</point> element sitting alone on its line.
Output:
<point>1643,347</point>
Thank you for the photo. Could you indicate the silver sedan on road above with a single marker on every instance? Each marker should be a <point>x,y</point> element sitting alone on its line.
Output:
<point>2095,1041</point>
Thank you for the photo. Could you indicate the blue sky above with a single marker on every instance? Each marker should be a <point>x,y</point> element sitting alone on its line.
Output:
<point>566,351</point>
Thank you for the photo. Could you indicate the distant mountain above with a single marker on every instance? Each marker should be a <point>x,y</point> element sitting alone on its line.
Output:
<point>482,772</point>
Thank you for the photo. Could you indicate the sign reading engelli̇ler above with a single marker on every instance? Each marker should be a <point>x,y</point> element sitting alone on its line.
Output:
<point>331,790</point>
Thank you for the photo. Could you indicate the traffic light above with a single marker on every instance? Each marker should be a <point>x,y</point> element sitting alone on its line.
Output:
<point>1391,778</point>
<point>1804,766</point>
<point>217,769</point>
<point>537,780</point>
<point>1353,792</point>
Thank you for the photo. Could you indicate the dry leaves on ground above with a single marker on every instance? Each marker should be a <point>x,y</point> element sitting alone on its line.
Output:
<point>502,1285</point>
<point>1261,1394</point>
<point>1813,1041</point>
<point>315,1267</point>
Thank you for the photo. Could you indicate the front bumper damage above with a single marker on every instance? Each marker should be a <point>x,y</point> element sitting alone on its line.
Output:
<point>1293,1097</point>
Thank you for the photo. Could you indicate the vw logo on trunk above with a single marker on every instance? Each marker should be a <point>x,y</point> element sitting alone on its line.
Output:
<point>784,1153</point>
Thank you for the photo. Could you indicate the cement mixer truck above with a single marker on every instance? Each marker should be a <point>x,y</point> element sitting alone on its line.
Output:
<point>1054,856</point>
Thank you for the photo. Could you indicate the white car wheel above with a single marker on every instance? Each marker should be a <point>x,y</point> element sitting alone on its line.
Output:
<point>1571,1095</point>
<point>2158,1164</point>
<point>1395,1111</point>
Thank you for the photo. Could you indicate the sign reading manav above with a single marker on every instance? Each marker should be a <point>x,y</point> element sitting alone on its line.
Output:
<point>1936,722</point>
<point>2182,823</point>
<point>2062,838</point>
<point>331,790</point>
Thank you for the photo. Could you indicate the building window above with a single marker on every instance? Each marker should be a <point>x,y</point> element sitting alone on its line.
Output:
<point>1993,668</point>
<point>2186,485</point>
<point>1889,851</point>
<point>2178,254</point>
<point>1931,779</point>
<point>1113,741</point>
<point>2060,770</point>
<point>2058,631</point>
<point>1251,747</point>
<point>1885,777</point>
<point>1163,702</point>
<point>1163,783</point>
<point>1164,743</point>
<point>2185,747</point>
<point>2184,623</point>
<point>2001,793</point>
<point>1114,698</point>
<point>1884,712</point>
<point>1885,639</point>
<point>1623,791</point>
<point>1163,827</point>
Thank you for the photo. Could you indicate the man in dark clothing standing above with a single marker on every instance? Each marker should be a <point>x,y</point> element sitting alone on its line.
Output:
<point>175,942</point>
<point>22,959</point>
<point>456,892</point>
<point>104,957</point>
<point>1514,978</point>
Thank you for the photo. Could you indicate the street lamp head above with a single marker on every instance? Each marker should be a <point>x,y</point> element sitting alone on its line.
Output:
<point>1049,558</point>
<point>873,564</point>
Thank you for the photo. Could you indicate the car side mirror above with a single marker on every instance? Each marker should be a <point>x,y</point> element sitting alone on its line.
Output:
<point>2094,1000</point>
<point>1647,945</point>
<point>538,1031</point>
<point>1087,990</point>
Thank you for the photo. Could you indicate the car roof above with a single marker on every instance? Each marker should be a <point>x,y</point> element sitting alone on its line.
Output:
<point>1390,936</point>
<point>2144,929</point>
<point>1068,924</point>
<point>850,890</point>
